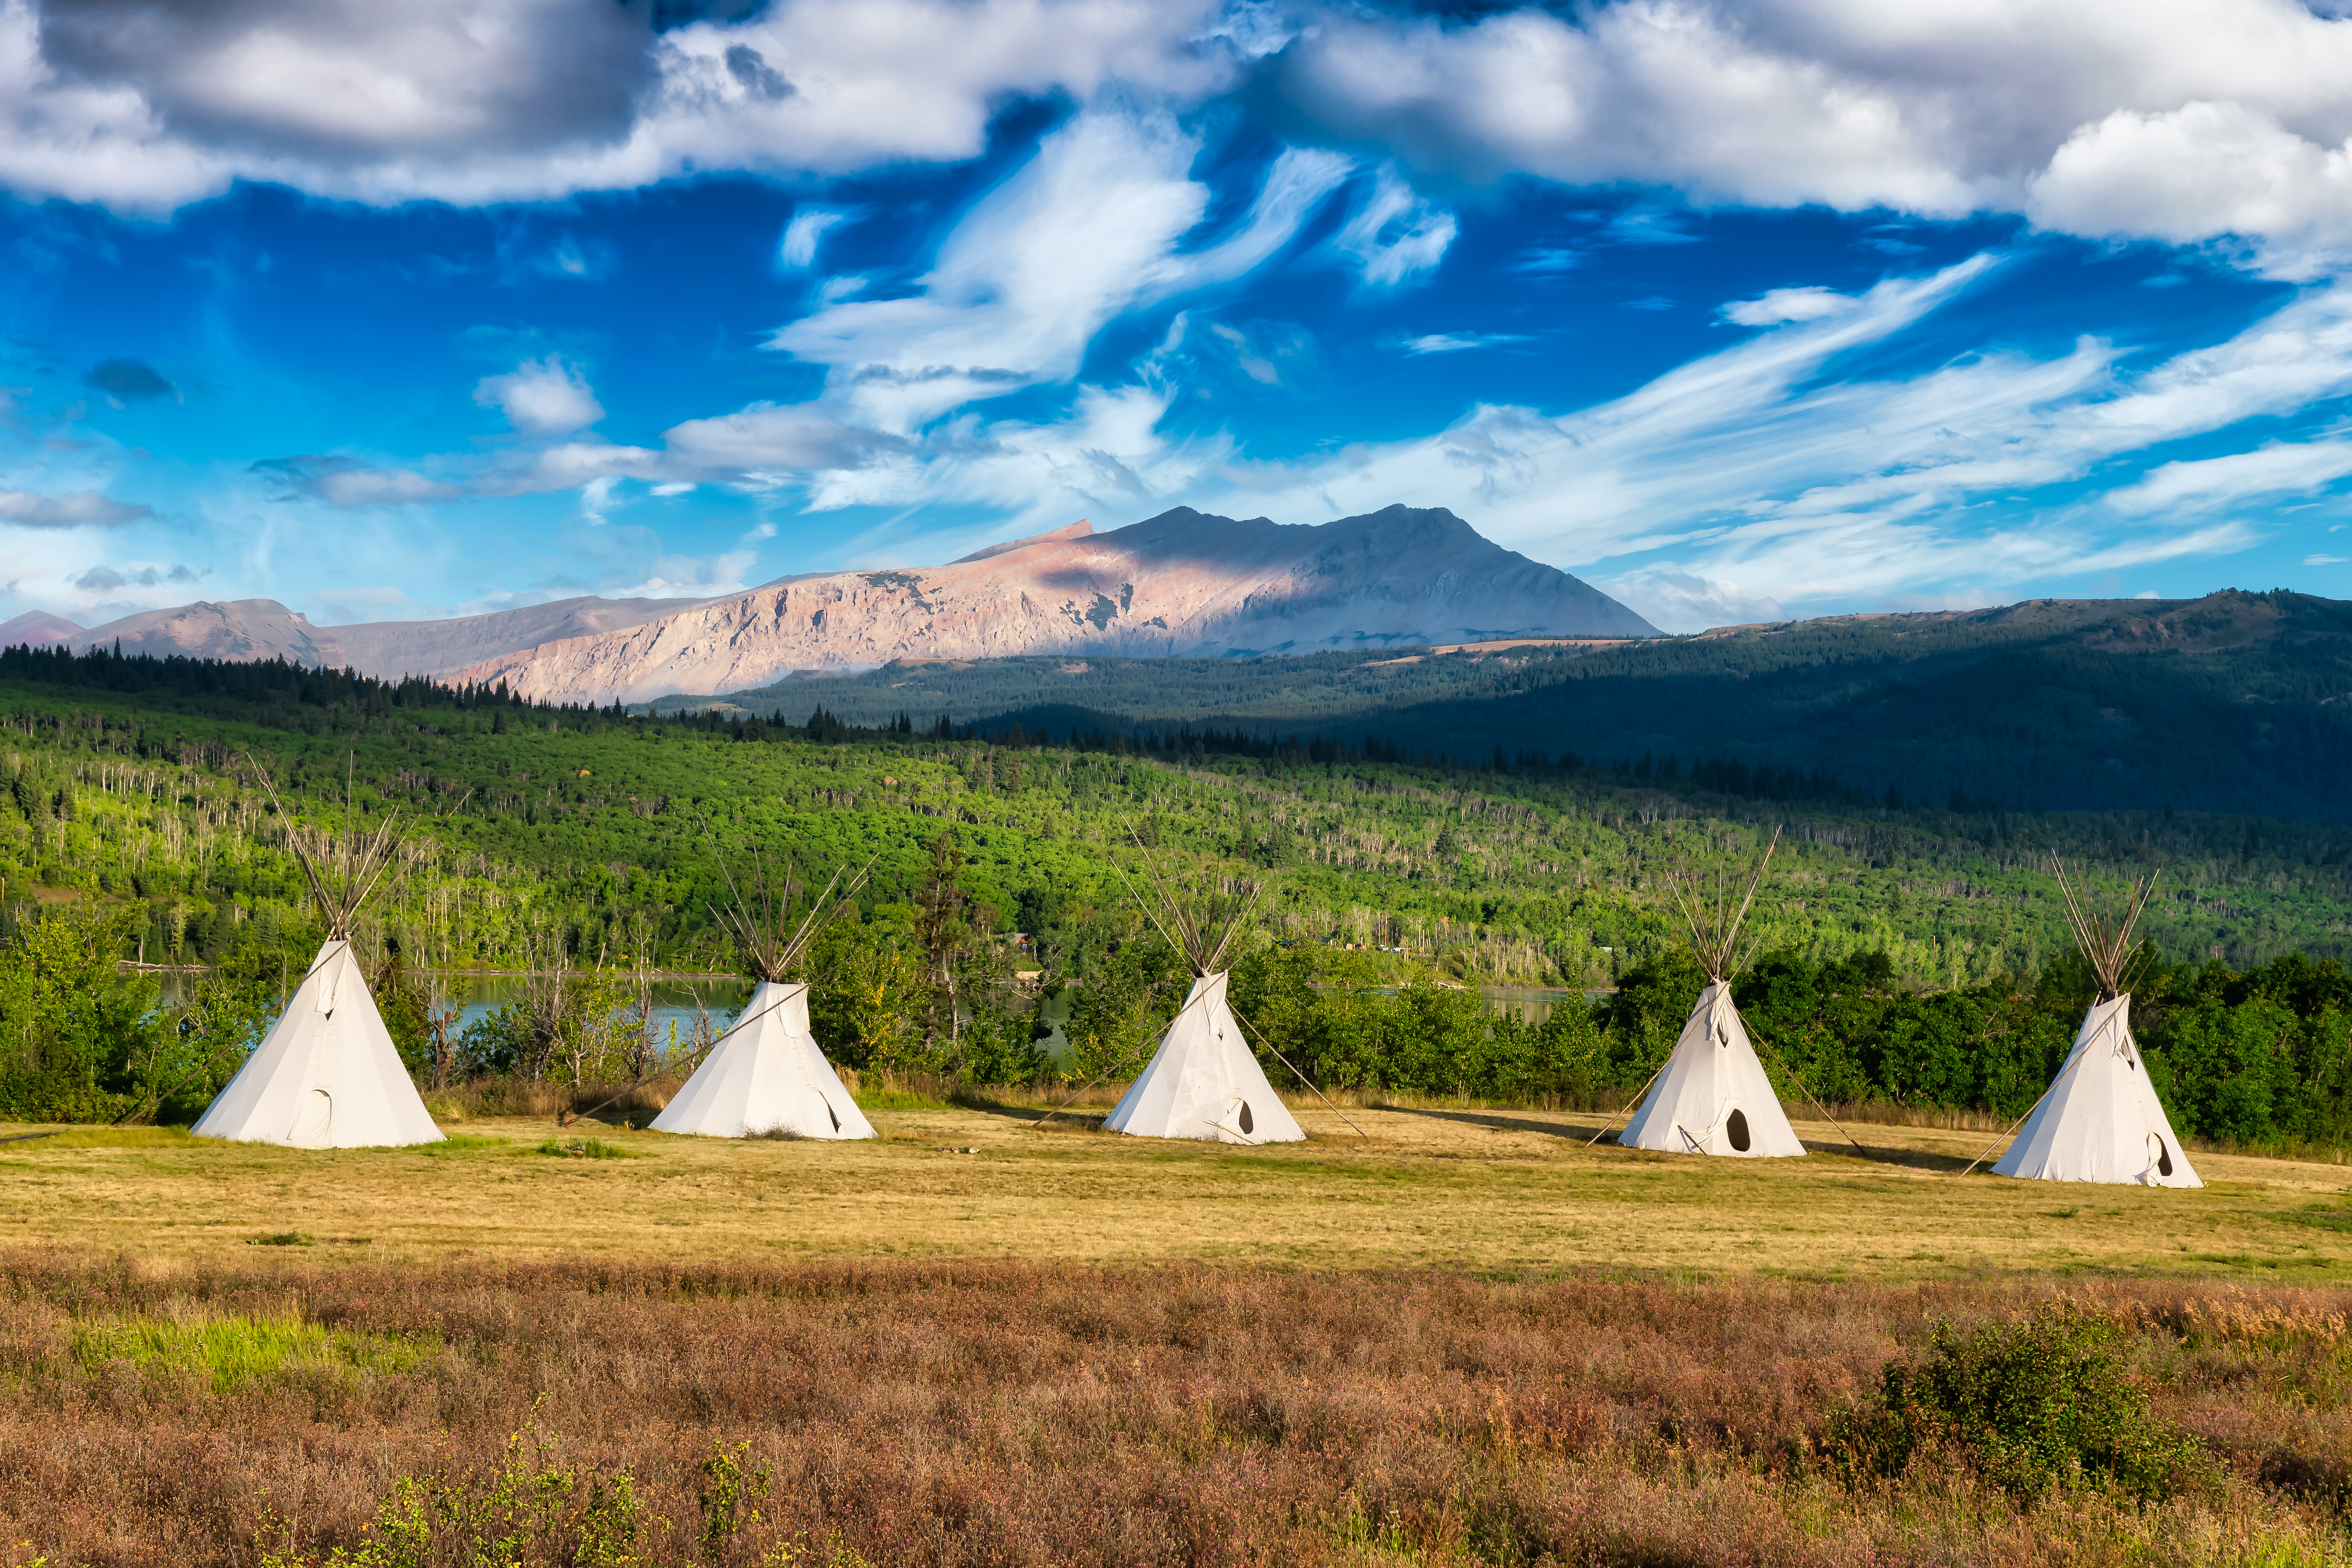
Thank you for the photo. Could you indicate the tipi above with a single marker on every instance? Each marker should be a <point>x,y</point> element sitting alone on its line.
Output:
<point>766,1074</point>
<point>1203,1082</point>
<point>2100,1121</point>
<point>327,1074</point>
<point>1712,1097</point>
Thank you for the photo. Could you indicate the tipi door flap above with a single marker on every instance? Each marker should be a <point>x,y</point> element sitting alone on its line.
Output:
<point>1729,1121</point>
<point>314,1120</point>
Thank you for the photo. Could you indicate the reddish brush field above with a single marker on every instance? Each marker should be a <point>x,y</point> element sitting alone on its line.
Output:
<point>284,1411</point>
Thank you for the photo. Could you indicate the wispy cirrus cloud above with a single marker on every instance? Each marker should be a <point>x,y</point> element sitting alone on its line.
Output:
<point>1459,343</point>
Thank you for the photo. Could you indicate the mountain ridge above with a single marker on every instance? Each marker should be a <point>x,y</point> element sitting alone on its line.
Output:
<point>1183,583</point>
<point>265,628</point>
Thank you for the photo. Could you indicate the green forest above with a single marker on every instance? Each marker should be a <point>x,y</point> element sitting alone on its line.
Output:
<point>1914,949</point>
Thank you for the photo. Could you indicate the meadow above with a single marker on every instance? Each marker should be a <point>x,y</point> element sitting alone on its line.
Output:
<point>1439,1185</point>
<point>1461,1339</point>
<point>1442,1331</point>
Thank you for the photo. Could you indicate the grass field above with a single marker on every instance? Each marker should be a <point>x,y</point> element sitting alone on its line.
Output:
<point>1453,1188</point>
<point>1464,1340</point>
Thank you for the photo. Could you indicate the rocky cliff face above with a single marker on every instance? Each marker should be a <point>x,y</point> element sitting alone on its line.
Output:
<point>1181,584</point>
<point>263,628</point>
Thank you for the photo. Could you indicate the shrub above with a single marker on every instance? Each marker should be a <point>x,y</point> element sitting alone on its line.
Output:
<point>584,1149</point>
<point>2031,1406</point>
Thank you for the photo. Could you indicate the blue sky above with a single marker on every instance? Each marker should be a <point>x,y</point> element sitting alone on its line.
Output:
<point>1784,308</point>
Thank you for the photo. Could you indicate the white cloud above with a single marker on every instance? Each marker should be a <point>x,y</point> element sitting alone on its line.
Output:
<point>2186,119</point>
<point>149,106</point>
<point>1393,236</point>
<point>1087,231</point>
<point>2200,172</point>
<point>542,397</point>
<point>1458,343</point>
<point>73,509</point>
<point>2282,468</point>
<point>2179,119</point>
<point>1781,305</point>
<point>1750,481</point>
<point>350,482</point>
<point>797,249</point>
<point>2325,560</point>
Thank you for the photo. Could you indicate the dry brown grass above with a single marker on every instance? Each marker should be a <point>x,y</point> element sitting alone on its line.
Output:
<point>1020,1413</point>
<point>1434,1187</point>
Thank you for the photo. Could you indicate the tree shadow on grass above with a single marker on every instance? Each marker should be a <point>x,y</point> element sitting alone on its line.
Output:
<point>1499,1120</point>
<point>1905,1158</point>
<point>1880,1153</point>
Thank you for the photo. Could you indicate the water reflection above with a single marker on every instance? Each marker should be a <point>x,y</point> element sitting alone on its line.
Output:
<point>679,1001</point>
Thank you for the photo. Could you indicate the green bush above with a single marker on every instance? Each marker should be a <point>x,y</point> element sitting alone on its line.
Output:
<point>584,1149</point>
<point>2034,1407</point>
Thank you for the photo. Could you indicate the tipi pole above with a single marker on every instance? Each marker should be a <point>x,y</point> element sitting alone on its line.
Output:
<point>2072,1062</point>
<point>1161,1034</point>
<point>1628,1104</point>
<point>155,1104</point>
<point>1816,1103</point>
<point>1285,1061</point>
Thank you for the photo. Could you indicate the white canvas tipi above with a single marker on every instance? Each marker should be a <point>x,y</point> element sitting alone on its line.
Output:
<point>766,1074</point>
<point>327,1076</point>
<point>1205,1081</point>
<point>2100,1119</point>
<point>1712,1097</point>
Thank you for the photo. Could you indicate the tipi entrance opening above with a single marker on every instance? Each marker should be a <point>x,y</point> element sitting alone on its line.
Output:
<point>314,1122</point>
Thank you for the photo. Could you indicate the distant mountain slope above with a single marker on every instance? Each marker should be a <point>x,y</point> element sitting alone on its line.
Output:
<point>37,628</point>
<point>263,628</point>
<point>1181,583</point>
<point>2235,702</point>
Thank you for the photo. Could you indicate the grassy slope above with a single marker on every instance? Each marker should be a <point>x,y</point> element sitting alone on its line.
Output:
<point>1435,1188</point>
<point>1539,878</point>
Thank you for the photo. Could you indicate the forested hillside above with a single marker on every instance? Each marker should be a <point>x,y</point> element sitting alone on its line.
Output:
<point>128,817</point>
<point>2237,702</point>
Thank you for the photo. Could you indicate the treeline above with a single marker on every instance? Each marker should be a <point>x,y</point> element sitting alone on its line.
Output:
<point>266,683</point>
<point>2258,1058</point>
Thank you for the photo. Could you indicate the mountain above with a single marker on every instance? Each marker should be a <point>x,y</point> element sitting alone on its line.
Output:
<point>1181,584</point>
<point>2234,702</point>
<point>37,628</point>
<point>263,628</point>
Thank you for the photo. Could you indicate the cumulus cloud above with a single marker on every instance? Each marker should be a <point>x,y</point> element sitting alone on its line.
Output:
<point>542,397</point>
<point>148,105</point>
<point>75,508</point>
<point>347,481</point>
<point>136,575</point>
<point>2200,171</point>
<point>2189,120</point>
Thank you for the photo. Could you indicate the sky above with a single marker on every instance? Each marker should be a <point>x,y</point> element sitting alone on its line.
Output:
<point>1738,312</point>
